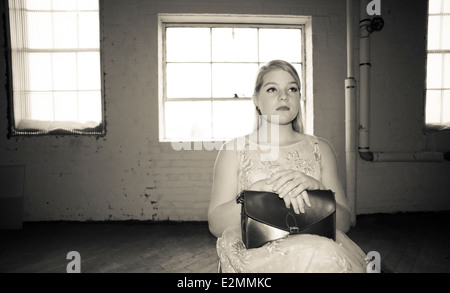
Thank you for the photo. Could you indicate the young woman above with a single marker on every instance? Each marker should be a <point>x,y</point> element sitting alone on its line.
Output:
<point>302,162</point>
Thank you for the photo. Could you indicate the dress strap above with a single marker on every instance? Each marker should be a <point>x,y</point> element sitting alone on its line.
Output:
<point>316,149</point>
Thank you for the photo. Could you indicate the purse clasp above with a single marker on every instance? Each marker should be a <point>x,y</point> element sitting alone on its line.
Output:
<point>294,230</point>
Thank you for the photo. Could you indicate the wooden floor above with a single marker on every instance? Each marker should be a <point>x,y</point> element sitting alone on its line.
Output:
<point>407,243</point>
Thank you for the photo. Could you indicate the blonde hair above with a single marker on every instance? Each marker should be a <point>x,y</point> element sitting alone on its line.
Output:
<point>297,123</point>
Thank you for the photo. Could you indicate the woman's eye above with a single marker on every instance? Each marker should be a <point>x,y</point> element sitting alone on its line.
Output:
<point>271,90</point>
<point>293,89</point>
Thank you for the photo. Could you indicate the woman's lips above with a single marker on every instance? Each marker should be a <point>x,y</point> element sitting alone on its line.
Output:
<point>283,108</point>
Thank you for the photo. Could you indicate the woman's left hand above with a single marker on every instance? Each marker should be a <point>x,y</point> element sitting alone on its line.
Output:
<point>292,186</point>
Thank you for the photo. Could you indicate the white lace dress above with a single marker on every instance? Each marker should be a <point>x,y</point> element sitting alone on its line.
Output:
<point>295,253</point>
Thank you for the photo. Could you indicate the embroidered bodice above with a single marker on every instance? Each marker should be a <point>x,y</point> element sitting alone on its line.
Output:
<point>258,162</point>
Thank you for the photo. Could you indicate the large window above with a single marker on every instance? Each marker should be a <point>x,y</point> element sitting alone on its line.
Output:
<point>55,70</point>
<point>209,70</point>
<point>438,64</point>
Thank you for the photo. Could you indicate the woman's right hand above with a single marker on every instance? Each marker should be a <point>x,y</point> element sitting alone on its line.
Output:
<point>265,185</point>
<point>298,202</point>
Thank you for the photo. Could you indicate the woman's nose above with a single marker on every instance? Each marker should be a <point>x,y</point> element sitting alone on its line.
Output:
<point>283,96</point>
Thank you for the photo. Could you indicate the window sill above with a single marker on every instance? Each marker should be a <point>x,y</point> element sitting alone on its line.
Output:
<point>35,127</point>
<point>437,137</point>
<point>430,128</point>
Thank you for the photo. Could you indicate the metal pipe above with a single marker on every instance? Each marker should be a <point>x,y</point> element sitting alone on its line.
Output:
<point>350,62</point>
<point>364,80</point>
<point>408,157</point>
<point>350,145</point>
<point>350,119</point>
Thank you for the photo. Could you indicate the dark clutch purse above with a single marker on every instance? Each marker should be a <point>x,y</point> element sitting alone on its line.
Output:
<point>264,217</point>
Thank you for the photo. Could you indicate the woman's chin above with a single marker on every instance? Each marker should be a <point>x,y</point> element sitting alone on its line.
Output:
<point>282,120</point>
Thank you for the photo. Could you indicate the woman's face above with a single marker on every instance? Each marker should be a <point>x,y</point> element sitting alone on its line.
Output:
<point>279,95</point>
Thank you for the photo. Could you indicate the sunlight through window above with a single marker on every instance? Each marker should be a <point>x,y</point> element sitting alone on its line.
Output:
<point>438,64</point>
<point>55,64</point>
<point>210,71</point>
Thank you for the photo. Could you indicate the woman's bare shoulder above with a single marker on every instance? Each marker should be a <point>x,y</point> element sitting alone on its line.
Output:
<point>324,145</point>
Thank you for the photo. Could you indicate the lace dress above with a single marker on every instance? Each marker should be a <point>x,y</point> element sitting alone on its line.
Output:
<point>295,253</point>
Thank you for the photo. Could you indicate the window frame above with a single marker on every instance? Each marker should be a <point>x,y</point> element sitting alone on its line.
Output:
<point>441,126</point>
<point>99,131</point>
<point>166,20</point>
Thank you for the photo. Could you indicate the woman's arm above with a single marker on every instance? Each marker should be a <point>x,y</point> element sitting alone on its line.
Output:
<point>223,210</point>
<point>330,179</point>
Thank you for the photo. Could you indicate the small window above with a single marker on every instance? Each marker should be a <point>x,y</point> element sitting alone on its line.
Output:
<point>55,78</point>
<point>209,70</point>
<point>438,64</point>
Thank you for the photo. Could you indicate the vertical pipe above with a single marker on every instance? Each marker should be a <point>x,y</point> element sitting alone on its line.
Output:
<point>364,81</point>
<point>350,32</point>
<point>350,119</point>
<point>350,145</point>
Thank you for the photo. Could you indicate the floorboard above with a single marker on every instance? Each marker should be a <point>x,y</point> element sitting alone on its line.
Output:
<point>407,243</point>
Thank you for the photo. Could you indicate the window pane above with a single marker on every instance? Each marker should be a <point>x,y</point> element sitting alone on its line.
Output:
<point>88,5</point>
<point>38,5</point>
<point>434,71</point>
<point>447,72</point>
<point>233,118</point>
<point>234,45</point>
<point>66,106</point>
<point>90,103</point>
<point>40,72</point>
<point>193,42</point>
<point>188,80</point>
<point>434,6</point>
<point>64,71</point>
<point>64,4</point>
<point>433,107</point>
<point>270,47</point>
<point>233,79</point>
<point>41,106</point>
<point>445,38</point>
<point>446,6</point>
<point>188,120</point>
<point>89,33</point>
<point>88,71</point>
<point>446,107</point>
<point>65,30</point>
<point>434,32</point>
<point>39,28</point>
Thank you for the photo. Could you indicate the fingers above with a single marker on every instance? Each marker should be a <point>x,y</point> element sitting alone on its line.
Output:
<point>287,201</point>
<point>298,203</point>
<point>277,176</point>
<point>284,181</point>
<point>306,198</point>
<point>293,188</point>
<point>296,186</point>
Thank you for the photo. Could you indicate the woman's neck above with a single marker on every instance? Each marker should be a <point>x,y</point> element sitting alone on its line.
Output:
<point>276,134</point>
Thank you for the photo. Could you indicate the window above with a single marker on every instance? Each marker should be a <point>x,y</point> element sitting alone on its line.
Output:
<point>209,69</point>
<point>55,70</point>
<point>438,64</point>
